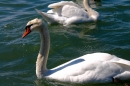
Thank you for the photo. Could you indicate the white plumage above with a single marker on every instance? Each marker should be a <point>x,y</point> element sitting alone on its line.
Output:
<point>68,12</point>
<point>90,68</point>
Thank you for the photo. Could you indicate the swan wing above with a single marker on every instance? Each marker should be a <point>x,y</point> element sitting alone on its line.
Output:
<point>61,4</point>
<point>55,11</point>
<point>66,15</point>
<point>123,65</point>
<point>91,68</point>
<point>66,9</point>
<point>71,11</point>
<point>50,11</point>
<point>125,68</point>
<point>51,19</point>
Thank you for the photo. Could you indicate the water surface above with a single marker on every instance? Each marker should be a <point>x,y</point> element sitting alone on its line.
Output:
<point>18,56</point>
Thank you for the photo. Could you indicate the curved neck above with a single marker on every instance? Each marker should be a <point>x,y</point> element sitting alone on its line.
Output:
<point>87,6</point>
<point>43,52</point>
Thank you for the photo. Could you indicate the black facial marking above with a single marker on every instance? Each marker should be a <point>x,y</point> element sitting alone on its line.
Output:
<point>28,26</point>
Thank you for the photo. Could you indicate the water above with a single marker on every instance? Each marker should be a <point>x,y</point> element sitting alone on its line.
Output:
<point>18,56</point>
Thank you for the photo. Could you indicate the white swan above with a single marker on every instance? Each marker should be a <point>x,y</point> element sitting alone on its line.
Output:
<point>90,68</point>
<point>67,12</point>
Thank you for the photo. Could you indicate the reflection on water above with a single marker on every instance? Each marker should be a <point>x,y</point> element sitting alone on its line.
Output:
<point>79,30</point>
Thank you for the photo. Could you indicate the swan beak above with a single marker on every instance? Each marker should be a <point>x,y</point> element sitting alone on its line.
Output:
<point>26,32</point>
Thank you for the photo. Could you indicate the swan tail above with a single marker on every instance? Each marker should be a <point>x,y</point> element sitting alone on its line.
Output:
<point>48,17</point>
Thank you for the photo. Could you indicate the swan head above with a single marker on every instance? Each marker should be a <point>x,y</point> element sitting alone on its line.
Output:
<point>32,25</point>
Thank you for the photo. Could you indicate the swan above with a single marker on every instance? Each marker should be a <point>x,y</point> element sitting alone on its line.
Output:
<point>90,68</point>
<point>68,12</point>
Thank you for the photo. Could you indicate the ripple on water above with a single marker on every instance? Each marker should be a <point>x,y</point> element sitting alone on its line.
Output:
<point>18,56</point>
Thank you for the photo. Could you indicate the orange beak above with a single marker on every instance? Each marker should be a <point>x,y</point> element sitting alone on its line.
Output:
<point>27,31</point>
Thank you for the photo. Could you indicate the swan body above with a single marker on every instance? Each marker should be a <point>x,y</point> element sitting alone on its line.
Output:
<point>89,68</point>
<point>68,12</point>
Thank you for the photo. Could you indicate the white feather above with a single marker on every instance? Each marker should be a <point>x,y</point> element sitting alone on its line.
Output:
<point>95,67</point>
<point>69,13</point>
<point>89,68</point>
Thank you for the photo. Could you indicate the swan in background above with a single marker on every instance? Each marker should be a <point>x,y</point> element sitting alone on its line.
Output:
<point>68,12</point>
<point>89,68</point>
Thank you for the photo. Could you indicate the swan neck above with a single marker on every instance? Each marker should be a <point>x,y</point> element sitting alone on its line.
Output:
<point>45,41</point>
<point>87,7</point>
<point>86,4</point>
<point>43,52</point>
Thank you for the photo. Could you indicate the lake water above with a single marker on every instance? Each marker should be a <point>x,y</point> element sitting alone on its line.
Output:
<point>18,56</point>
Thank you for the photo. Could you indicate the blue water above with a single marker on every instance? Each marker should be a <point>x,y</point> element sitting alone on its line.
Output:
<point>18,56</point>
